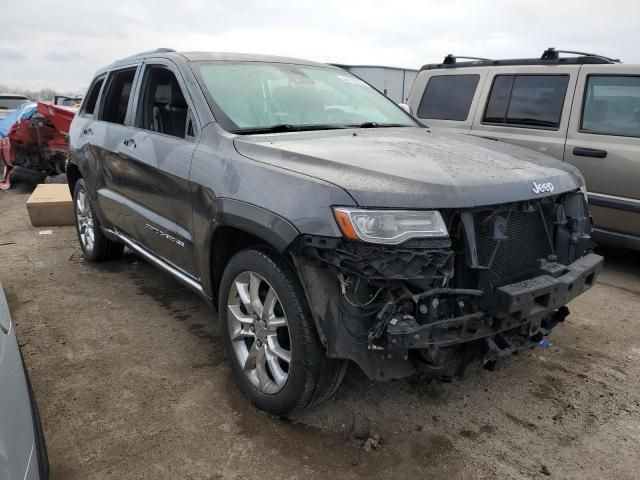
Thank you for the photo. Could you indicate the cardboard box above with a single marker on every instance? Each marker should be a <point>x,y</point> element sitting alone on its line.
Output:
<point>51,205</point>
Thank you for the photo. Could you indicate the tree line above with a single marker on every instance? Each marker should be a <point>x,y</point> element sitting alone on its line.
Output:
<point>46,94</point>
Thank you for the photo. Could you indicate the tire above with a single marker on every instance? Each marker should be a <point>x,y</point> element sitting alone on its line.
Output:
<point>25,174</point>
<point>253,340</point>
<point>95,246</point>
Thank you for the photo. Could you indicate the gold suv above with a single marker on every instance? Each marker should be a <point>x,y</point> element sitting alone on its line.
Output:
<point>583,109</point>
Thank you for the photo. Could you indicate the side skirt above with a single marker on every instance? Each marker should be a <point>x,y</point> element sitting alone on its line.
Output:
<point>183,277</point>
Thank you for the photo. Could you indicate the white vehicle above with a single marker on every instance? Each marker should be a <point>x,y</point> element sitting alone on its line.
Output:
<point>23,453</point>
<point>9,102</point>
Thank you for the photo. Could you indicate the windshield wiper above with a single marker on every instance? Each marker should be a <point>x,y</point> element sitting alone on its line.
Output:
<point>379,125</point>
<point>286,127</point>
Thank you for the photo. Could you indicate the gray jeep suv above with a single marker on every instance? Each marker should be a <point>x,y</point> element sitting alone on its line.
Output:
<point>326,223</point>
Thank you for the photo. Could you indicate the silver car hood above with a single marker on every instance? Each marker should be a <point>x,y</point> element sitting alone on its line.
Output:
<point>414,167</point>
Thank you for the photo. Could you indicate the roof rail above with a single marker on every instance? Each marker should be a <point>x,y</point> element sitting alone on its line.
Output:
<point>553,54</point>
<point>451,59</point>
<point>148,52</point>
<point>550,56</point>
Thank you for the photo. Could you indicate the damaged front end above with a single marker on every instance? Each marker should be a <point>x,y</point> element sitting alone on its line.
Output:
<point>498,284</point>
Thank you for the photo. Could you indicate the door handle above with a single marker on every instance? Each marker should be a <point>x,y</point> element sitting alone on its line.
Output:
<point>589,152</point>
<point>87,131</point>
<point>130,143</point>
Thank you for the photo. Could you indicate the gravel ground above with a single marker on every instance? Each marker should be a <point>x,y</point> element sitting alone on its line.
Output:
<point>129,372</point>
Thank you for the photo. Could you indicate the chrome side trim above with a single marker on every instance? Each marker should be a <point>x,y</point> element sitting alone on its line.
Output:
<point>164,223</point>
<point>184,278</point>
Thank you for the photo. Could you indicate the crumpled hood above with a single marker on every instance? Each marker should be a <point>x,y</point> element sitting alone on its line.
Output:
<point>413,167</point>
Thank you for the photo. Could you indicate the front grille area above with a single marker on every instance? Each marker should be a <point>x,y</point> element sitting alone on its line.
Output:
<point>515,257</point>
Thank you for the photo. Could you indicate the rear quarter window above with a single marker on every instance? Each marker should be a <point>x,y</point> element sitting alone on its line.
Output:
<point>448,97</point>
<point>533,101</point>
<point>89,105</point>
<point>118,92</point>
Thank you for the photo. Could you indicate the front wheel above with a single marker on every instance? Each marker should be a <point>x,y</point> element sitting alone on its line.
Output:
<point>272,344</point>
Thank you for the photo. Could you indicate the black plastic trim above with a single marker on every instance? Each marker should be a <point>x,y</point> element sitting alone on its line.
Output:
<point>589,152</point>
<point>617,203</point>
<point>616,239</point>
<point>272,228</point>
<point>512,306</point>
<point>588,60</point>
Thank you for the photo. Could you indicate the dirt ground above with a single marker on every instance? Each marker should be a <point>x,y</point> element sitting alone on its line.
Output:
<point>130,377</point>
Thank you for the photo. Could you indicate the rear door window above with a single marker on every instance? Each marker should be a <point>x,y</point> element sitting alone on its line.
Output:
<point>533,101</point>
<point>612,105</point>
<point>163,107</point>
<point>448,97</point>
<point>116,102</point>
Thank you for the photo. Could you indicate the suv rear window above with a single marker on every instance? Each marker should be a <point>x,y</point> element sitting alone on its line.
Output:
<point>118,92</point>
<point>612,105</point>
<point>533,101</point>
<point>448,97</point>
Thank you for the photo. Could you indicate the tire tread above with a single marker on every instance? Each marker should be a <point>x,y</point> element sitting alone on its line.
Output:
<point>323,375</point>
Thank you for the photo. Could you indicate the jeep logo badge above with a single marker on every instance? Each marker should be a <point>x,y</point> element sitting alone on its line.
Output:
<point>543,187</point>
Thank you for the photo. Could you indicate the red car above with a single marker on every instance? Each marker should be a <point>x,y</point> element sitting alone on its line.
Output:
<point>35,144</point>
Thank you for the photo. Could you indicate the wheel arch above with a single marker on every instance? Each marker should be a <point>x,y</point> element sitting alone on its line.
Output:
<point>73,175</point>
<point>240,225</point>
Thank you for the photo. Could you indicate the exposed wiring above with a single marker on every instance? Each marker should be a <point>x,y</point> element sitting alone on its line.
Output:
<point>360,305</point>
<point>346,282</point>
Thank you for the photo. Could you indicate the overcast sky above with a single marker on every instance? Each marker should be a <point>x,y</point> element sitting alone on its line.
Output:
<point>61,44</point>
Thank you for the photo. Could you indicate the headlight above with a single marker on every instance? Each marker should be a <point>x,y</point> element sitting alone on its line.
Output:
<point>389,226</point>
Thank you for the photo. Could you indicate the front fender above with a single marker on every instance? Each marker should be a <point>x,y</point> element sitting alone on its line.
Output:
<point>259,222</point>
<point>272,228</point>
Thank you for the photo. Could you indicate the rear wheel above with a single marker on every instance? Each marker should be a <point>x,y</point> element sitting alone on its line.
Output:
<point>95,246</point>
<point>273,347</point>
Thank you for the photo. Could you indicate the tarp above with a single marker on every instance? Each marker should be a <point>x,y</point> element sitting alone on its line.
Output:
<point>23,112</point>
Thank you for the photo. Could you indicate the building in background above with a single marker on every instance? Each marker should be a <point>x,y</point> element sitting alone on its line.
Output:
<point>394,82</point>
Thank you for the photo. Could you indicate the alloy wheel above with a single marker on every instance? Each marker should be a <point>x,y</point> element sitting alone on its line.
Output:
<point>84,217</point>
<point>259,332</point>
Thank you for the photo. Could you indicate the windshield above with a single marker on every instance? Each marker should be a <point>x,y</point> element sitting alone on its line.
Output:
<point>10,103</point>
<point>250,97</point>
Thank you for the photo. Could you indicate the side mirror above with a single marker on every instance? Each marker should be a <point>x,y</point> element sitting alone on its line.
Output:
<point>406,108</point>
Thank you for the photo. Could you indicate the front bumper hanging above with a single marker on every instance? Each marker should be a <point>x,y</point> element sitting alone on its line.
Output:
<point>523,304</point>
